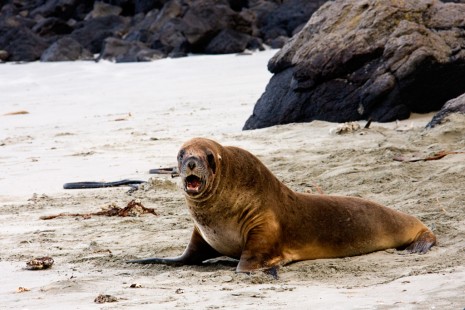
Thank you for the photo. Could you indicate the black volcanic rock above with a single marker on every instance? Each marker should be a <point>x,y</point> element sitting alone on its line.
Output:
<point>20,42</point>
<point>144,6</point>
<point>52,26</point>
<point>228,41</point>
<point>92,33</point>
<point>284,18</point>
<point>172,27</point>
<point>204,21</point>
<point>367,60</point>
<point>66,49</point>
<point>102,9</point>
<point>456,105</point>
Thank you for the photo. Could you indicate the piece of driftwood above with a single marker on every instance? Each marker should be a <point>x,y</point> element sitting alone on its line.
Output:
<point>134,208</point>
<point>134,184</point>
<point>435,156</point>
<point>22,112</point>
<point>173,171</point>
<point>82,185</point>
<point>367,125</point>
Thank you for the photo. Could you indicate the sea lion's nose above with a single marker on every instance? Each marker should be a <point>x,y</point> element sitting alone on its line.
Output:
<point>191,164</point>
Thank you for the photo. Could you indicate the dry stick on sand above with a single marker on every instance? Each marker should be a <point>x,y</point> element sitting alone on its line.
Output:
<point>16,113</point>
<point>436,156</point>
<point>134,208</point>
<point>367,125</point>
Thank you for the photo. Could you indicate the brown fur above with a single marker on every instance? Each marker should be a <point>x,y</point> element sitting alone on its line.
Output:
<point>243,211</point>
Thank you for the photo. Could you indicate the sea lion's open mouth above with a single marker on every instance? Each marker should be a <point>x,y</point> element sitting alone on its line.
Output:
<point>193,184</point>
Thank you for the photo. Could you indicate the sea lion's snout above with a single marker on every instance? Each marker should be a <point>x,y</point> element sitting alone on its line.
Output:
<point>191,165</point>
<point>193,174</point>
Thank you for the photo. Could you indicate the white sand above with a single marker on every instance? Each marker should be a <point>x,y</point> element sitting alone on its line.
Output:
<point>105,122</point>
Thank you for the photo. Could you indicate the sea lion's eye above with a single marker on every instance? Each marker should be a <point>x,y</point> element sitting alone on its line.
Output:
<point>181,155</point>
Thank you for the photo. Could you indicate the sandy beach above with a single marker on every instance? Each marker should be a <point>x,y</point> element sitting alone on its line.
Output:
<point>102,121</point>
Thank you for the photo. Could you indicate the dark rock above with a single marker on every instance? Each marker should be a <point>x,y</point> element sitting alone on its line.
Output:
<point>278,42</point>
<point>52,26</point>
<point>147,29</point>
<point>169,40</point>
<point>123,51</point>
<point>66,49</point>
<point>91,34</point>
<point>141,35</point>
<point>144,6</point>
<point>4,55</point>
<point>238,5</point>
<point>63,9</point>
<point>227,41</point>
<point>102,9</point>
<point>204,21</point>
<point>255,44</point>
<point>456,105</point>
<point>127,6</point>
<point>263,8</point>
<point>21,43</point>
<point>280,19</point>
<point>9,10</point>
<point>143,27</point>
<point>360,59</point>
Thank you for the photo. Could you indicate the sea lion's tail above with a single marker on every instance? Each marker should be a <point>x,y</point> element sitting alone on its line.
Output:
<point>423,242</point>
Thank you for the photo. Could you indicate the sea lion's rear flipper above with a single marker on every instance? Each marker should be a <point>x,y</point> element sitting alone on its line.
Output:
<point>197,251</point>
<point>422,243</point>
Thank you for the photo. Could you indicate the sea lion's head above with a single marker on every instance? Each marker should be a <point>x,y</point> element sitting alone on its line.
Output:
<point>198,163</point>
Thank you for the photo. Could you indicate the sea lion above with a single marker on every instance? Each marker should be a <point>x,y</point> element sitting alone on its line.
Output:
<point>241,210</point>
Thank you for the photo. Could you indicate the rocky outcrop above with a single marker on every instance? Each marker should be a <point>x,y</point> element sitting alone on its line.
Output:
<point>456,105</point>
<point>361,59</point>
<point>140,30</point>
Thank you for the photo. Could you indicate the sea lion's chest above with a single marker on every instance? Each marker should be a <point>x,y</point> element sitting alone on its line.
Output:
<point>221,230</point>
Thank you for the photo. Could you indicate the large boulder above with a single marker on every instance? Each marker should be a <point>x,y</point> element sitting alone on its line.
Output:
<point>278,19</point>
<point>203,21</point>
<point>66,49</point>
<point>228,41</point>
<point>361,59</point>
<point>456,105</point>
<point>19,41</point>
<point>92,33</point>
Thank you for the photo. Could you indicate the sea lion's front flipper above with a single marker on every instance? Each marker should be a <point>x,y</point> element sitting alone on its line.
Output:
<point>262,253</point>
<point>197,251</point>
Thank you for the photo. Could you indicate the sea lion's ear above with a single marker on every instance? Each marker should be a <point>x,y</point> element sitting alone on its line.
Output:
<point>211,161</point>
